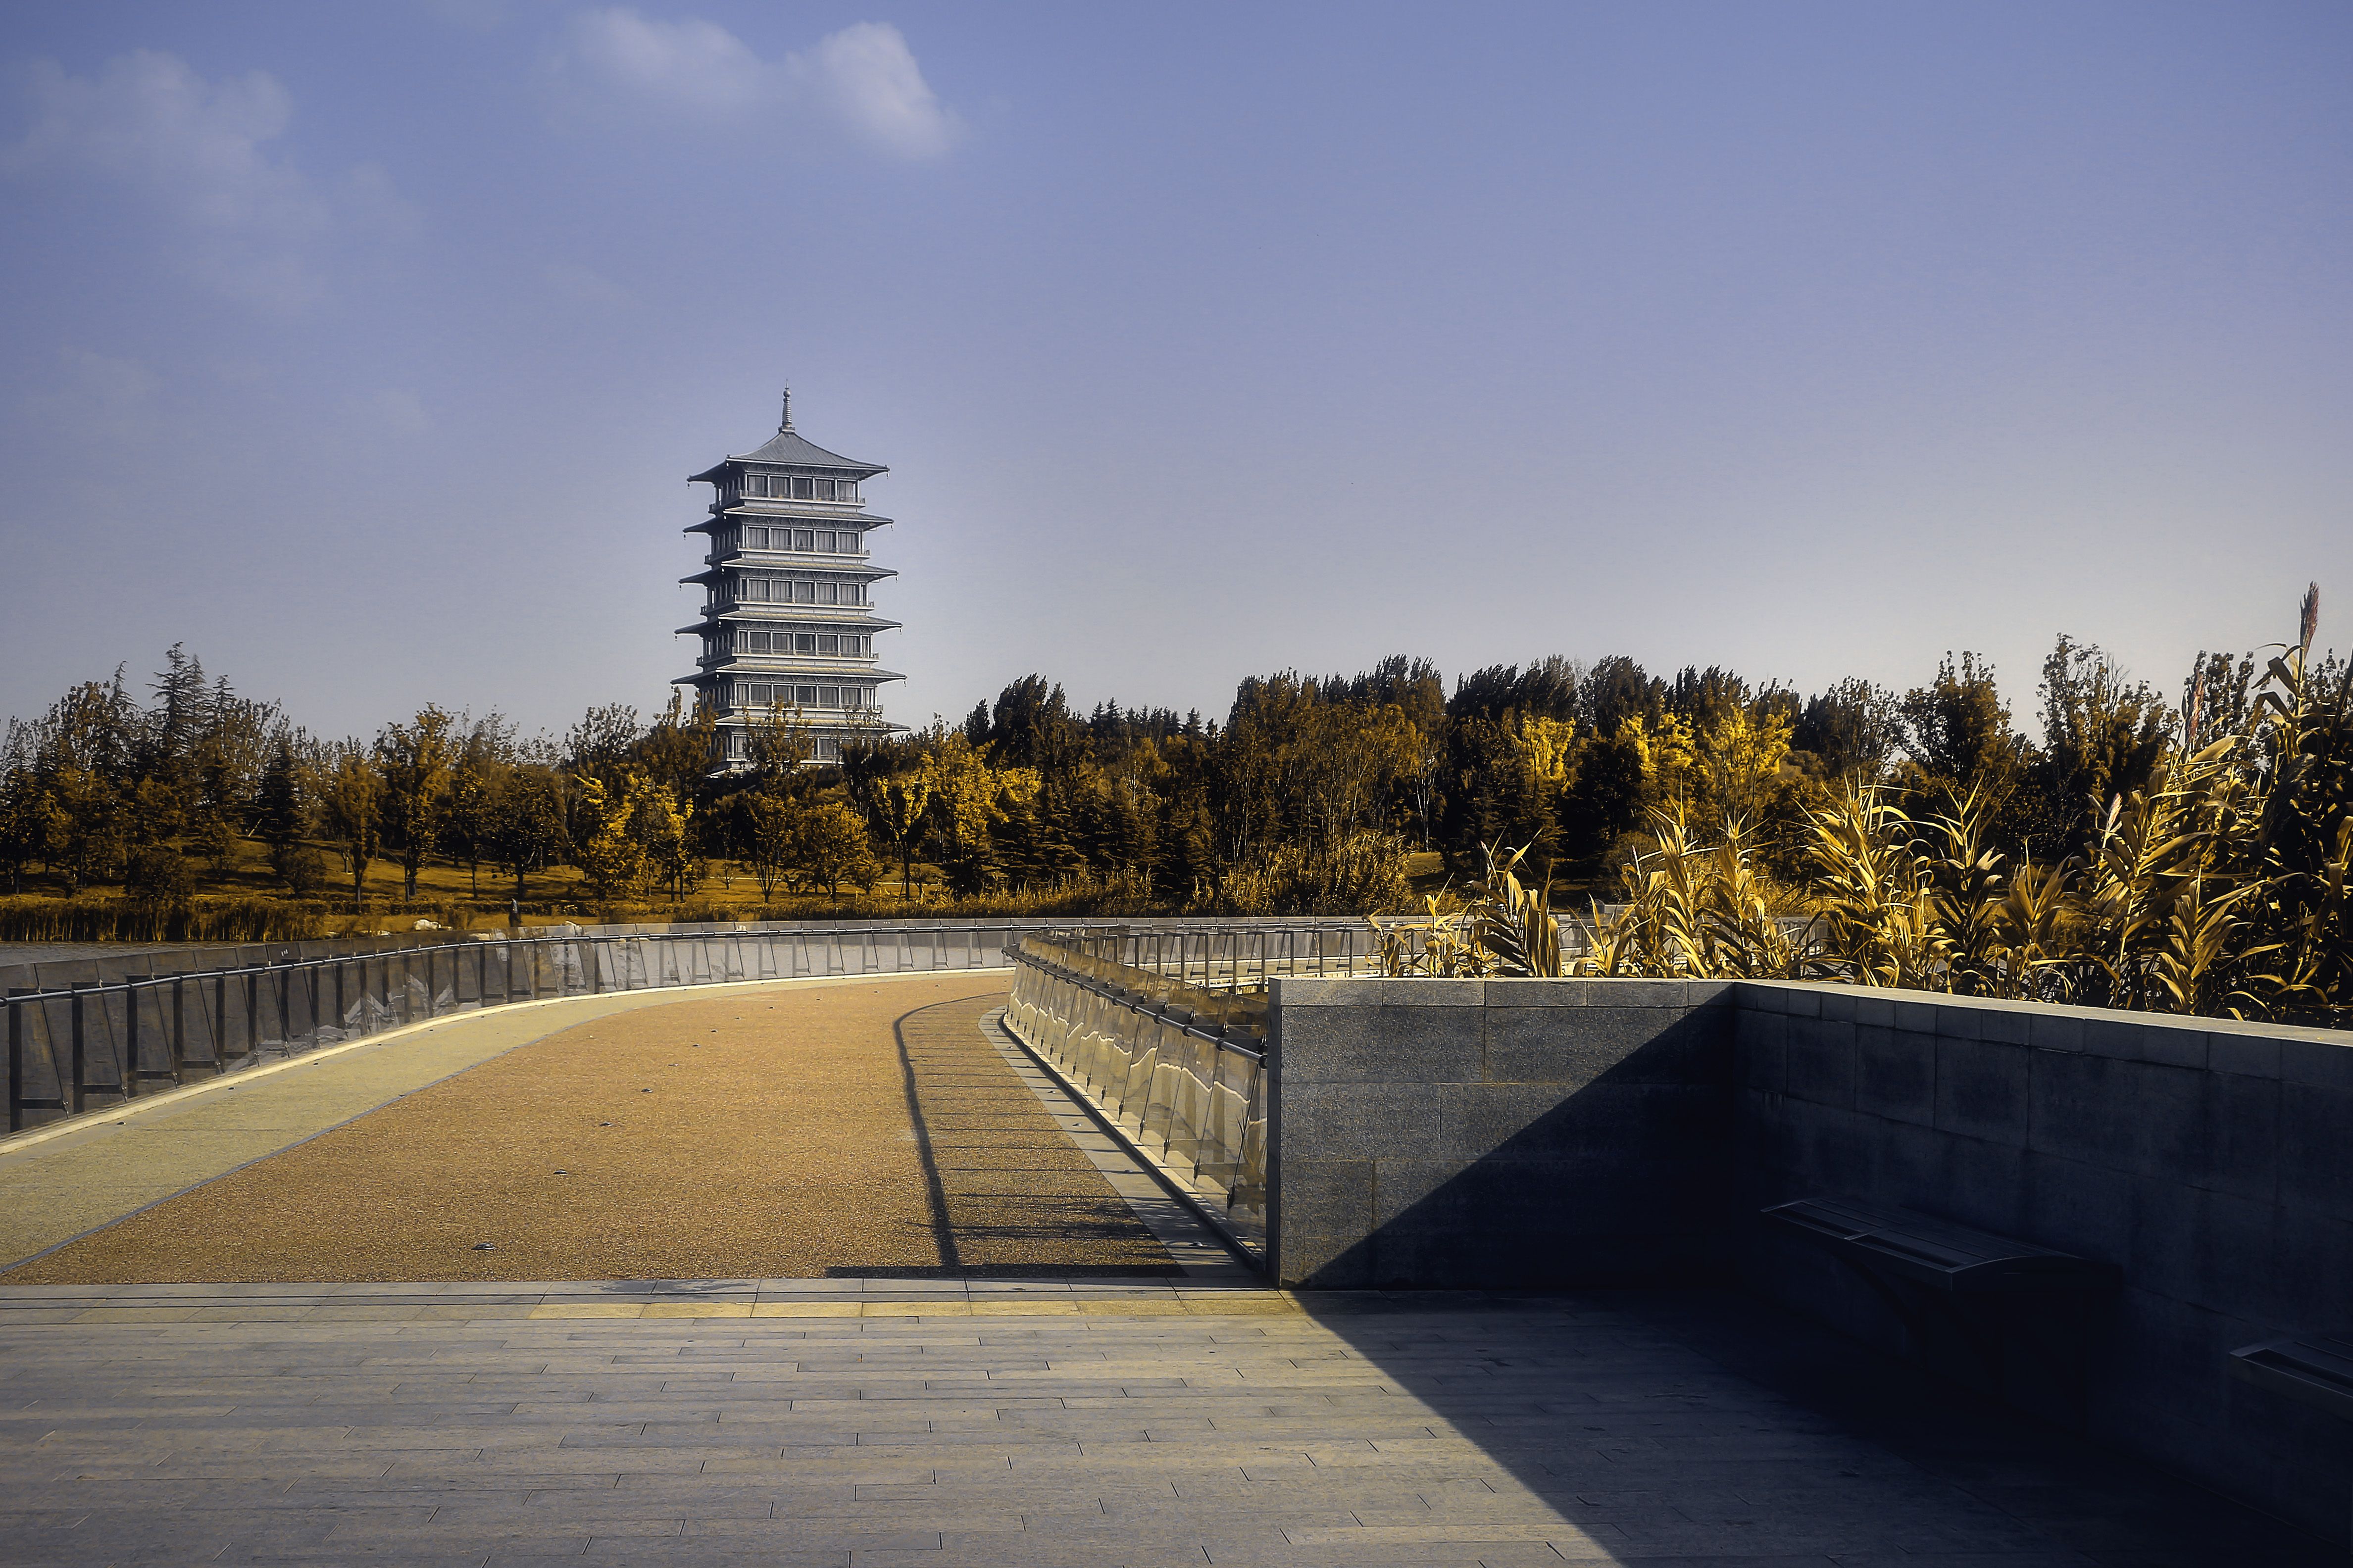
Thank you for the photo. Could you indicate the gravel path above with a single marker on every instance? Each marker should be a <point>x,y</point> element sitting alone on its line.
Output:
<point>856,1129</point>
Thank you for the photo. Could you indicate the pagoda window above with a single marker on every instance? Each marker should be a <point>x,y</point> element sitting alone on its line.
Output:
<point>829,644</point>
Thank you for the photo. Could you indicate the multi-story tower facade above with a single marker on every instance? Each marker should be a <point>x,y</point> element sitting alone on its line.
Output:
<point>787,581</point>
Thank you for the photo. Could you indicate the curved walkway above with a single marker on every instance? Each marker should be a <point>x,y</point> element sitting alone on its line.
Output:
<point>782,1129</point>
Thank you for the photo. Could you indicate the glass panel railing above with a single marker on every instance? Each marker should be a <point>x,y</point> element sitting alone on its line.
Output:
<point>1163,1033</point>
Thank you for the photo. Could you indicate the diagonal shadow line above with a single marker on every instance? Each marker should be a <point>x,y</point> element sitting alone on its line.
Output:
<point>945,1230</point>
<point>935,1195</point>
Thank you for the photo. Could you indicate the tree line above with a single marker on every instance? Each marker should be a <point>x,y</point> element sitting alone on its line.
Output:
<point>1310,794</point>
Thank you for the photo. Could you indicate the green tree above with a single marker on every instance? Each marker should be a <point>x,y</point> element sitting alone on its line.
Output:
<point>2102,736</point>
<point>350,793</point>
<point>476,774</point>
<point>765,839</point>
<point>159,874</point>
<point>527,821</point>
<point>830,847</point>
<point>1956,733</point>
<point>211,836</point>
<point>282,807</point>
<point>414,760</point>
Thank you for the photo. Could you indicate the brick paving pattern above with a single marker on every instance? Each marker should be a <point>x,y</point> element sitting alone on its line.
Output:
<point>955,1423</point>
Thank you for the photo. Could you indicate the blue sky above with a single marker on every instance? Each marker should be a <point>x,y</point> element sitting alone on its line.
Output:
<point>365,349</point>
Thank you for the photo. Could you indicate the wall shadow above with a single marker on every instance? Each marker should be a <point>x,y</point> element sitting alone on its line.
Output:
<point>1619,1177</point>
<point>1711,1427</point>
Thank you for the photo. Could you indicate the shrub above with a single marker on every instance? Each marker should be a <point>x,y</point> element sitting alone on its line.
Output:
<point>303,869</point>
<point>159,874</point>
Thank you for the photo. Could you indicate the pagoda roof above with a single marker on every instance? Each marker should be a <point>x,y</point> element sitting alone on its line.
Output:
<point>789,448</point>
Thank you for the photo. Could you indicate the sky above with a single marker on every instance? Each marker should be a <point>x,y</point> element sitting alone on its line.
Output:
<point>364,349</point>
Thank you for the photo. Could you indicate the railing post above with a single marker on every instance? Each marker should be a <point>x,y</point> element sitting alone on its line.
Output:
<point>179,1031</point>
<point>432,992</point>
<point>129,1071</point>
<point>596,979</point>
<point>343,1012</point>
<point>286,1008</point>
<point>16,1059</point>
<point>75,1092</point>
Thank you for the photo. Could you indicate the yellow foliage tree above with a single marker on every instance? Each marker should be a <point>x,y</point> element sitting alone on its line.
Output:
<point>611,857</point>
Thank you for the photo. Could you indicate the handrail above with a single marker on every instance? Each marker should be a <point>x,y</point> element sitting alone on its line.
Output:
<point>141,1027</point>
<point>1125,999</point>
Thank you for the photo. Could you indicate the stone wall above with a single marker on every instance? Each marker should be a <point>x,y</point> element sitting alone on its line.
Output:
<point>1499,1132</point>
<point>2212,1162</point>
<point>1441,1134</point>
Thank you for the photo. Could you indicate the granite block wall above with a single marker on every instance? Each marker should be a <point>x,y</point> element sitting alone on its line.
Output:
<point>1440,1134</point>
<point>1459,1133</point>
<point>2212,1162</point>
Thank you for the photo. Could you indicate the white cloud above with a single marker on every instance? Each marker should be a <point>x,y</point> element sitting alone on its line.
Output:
<point>695,66</point>
<point>872,79</point>
<point>863,80</point>
<point>198,154</point>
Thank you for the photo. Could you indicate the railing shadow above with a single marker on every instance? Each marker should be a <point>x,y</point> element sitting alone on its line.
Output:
<point>1008,1196</point>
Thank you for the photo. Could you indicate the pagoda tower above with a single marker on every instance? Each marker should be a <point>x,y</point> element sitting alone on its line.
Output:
<point>788,614</point>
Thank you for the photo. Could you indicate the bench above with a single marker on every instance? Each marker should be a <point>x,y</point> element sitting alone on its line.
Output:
<point>2315,1370</point>
<point>2006,1315</point>
<point>1938,1254</point>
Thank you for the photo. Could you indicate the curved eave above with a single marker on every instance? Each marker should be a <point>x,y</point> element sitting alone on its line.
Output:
<point>846,469</point>
<point>827,519</point>
<point>863,574</point>
<point>795,676</point>
<point>866,624</point>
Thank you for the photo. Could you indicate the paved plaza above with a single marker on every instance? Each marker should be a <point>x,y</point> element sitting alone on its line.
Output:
<point>981,1401</point>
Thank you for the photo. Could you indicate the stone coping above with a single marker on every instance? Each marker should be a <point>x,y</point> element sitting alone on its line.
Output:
<point>605,1300</point>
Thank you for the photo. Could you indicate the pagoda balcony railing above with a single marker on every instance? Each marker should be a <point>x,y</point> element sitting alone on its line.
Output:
<point>815,559</point>
<point>786,607</point>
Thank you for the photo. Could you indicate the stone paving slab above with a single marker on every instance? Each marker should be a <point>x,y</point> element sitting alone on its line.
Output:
<point>1219,1426</point>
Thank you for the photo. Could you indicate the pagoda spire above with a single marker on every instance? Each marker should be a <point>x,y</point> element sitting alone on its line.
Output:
<point>786,423</point>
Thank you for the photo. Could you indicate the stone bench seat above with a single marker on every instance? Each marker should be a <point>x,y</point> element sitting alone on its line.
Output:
<point>1937,1253</point>
<point>2315,1370</point>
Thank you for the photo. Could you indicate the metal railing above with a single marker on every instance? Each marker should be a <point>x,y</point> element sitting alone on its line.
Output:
<point>1234,957</point>
<point>1164,1033</point>
<point>75,1048</point>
